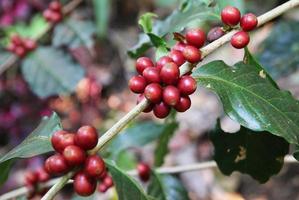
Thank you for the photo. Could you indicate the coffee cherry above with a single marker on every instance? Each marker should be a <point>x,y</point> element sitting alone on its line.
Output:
<point>102,188</point>
<point>196,37</point>
<point>16,39</point>
<point>74,155</point>
<point>137,84</point>
<point>47,14</point>
<point>177,57</point>
<point>248,22</point>
<point>161,110</point>
<point>230,15</point>
<point>108,181</point>
<point>29,44</point>
<point>152,75</point>
<point>186,85</point>
<point>143,171</point>
<point>86,137</point>
<point>240,40</point>
<point>149,108</point>
<point>55,6</point>
<point>55,17</point>
<point>61,139</point>
<point>215,33</point>
<point>162,61</point>
<point>171,95</point>
<point>31,178</point>
<point>94,165</point>
<point>84,185</point>
<point>103,175</point>
<point>183,104</point>
<point>42,174</point>
<point>56,165</point>
<point>142,63</point>
<point>11,47</point>
<point>179,46</point>
<point>153,92</point>
<point>170,73</point>
<point>20,51</point>
<point>192,54</point>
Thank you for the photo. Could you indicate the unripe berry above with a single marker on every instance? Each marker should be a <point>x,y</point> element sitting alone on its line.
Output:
<point>230,15</point>
<point>108,181</point>
<point>152,75</point>
<point>161,110</point>
<point>56,165</point>
<point>74,155</point>
<point>61,139</point>
<point>94,165</point>
<point>162,61</point>
<point>177,57</point>
<point>84,185</point>
<point>196,37</point>
<point>149,108</point>
<point>86,137</point>
<point>171,95</point>
<point>42,174</point>
<point>137,84</point>
<point>187,85</point>
<point>55,6</point>
<point>153,92</point>
<point>179,46</point>
<point>215,33</point>
<point>142,63</point>
<point>183,104</point>
<point>102,188</point>
<point>170,73</point>
<point>248,22</point>
<point>240,40</point>
<point>31,178</point>
<point>144,171</point>
<point>192,54</point>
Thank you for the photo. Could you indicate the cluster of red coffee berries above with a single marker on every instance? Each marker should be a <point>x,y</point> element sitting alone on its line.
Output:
<point>53,13</point>
<point>33,179</point>
<point>231,16</point>
<point>21,46</point>
<point>144,171</point>
<point>72,154</point>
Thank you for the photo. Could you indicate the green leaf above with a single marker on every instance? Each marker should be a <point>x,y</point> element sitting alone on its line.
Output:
<point>279,52</point>
<point>126,187</point>
<point>258,154</point>
<point>38,142</point>
<point>162,145</point>
<point>161,51</point>
<point>252,100</point>
<point>146,22</point>
<point>126,160</point>
<point>166,187</point>
<point>101,12</point>
<point>74,33</point>
<point>191,12</point>
<point>50,71</point>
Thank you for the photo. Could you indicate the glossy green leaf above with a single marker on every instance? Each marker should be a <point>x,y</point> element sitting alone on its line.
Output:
<point>259,154</point>
<point>166,187</point>
<point>102,12</point>
<point>38,142</point>
<point>126,160</point>
<point>146,22</point>
<point>127,188</point>
<point>50,71</point>
<point>251,100</point>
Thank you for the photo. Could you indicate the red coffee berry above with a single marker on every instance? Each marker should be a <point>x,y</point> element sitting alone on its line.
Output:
<point>42,174</point>
<point>31,178</point>
<point>108,181</point>
<point>137,84</point>
<point>183,104</point>
<point>20,51</point>
<point>102,188</point>
<point>215,33</point>
<point>47,14</point>
<point>179,46</point>
<point>161,110</point>
<point>61,139</point>
<point>240,40</point>
<point>196,37</point>
<point>94,165</point>
<point>192,54</point>
<point>142,63</point>
<point>55,6</point>
<point>74,155</point>
<point>56,165</point>
<point>230,15</point>
<point>55,17</point>
<point>187,85</point>
<point>144,171</point>
<point>153,92</point>
<point>177,57</point>
<point>103,175</point>
<point>84,185</point>
<point>171,95</point>
<point>149,108</point>
<point>16,39</point>
<point>11,47</point>
<point>170,73</point>
<point>86,137</point>
<point>29,44</point>
<point>151,75</point>
<point>162,61</point>
<point>248,22</point>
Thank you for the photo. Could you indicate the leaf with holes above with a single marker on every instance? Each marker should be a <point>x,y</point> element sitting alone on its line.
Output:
<point>252,100</point>
<point>259,154</point>
<point>50,71</point>
<point>38,142</point>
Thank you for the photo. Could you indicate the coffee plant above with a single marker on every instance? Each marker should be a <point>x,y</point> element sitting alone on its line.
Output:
<point>48,73</point>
